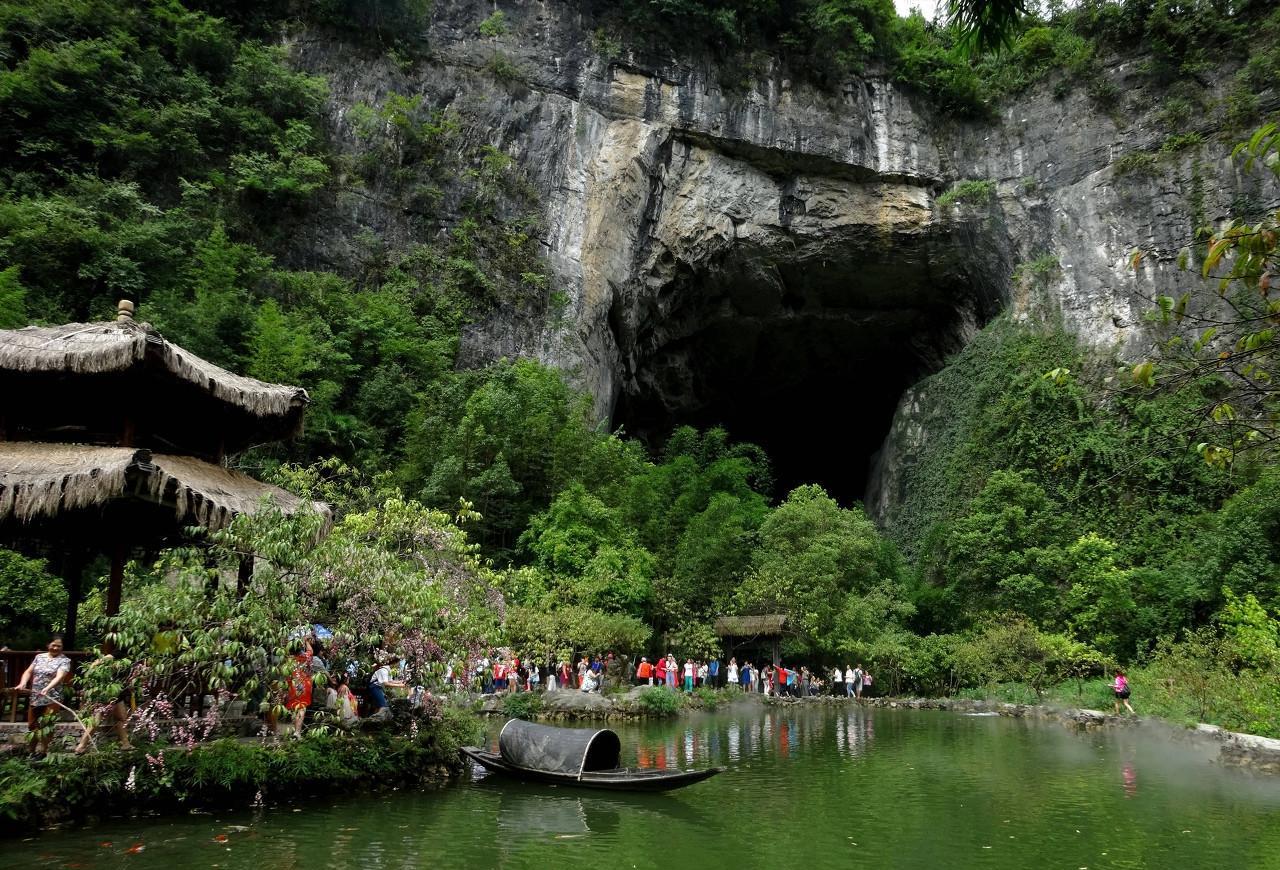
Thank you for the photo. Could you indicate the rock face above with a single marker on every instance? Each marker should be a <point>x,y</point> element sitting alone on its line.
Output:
<point>737,257</point>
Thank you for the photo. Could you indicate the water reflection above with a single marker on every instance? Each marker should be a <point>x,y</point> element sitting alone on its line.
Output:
<point>926,789</point>
<point>773,735</point>
<point>1130,777</point>
<point>854,732</point>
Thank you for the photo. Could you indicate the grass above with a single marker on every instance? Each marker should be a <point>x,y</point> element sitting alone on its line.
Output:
<point>970,191</point>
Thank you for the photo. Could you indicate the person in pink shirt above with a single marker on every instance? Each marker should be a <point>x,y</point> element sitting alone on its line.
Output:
<point>1121,687</point>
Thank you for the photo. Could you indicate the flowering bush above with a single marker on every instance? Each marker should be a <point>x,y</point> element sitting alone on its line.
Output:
<point>392,577</point>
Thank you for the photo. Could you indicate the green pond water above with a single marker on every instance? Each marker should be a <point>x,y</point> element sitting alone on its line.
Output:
<point>805,788</point>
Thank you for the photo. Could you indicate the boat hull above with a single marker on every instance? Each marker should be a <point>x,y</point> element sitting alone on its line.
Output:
<point>610,780</point>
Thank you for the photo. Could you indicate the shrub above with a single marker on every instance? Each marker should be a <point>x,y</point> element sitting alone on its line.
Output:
<point>495,25</point>
<point>971,191</point>
<point>522,705</point>
<point>1136,163</point>
<point>707,698</point>
<point>658,701</point>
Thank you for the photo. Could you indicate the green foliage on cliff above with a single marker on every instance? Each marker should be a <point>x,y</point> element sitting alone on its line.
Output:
<point>970,192</point>
<point>829,40</point>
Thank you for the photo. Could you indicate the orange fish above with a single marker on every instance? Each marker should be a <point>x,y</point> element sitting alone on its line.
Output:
<point>220,838</point>
<point>135,849</point>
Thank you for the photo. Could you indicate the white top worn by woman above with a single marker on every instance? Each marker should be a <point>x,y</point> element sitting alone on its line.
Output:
<point>733,673</point>
<point>848,675</point>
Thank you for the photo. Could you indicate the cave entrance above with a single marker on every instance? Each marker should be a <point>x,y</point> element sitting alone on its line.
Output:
<point>807,356</point>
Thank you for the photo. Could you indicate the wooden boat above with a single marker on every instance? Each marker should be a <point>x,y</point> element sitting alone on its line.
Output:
<point>582,757</point>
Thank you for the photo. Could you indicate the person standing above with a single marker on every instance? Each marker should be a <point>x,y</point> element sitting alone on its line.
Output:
<point>378,684</point>
<point>704,673</point>
<point>47,674</point>
<point>566,676</point>
<point>1121,688</point>
<point>713,672</point>
<point>688,675</point>
<point>644,672</point>
<point>298,697</point>
<point>113,713</point>
<point>837,681</point>
<point>345,704</point>
<point>748,677</point>
<point>858,675</point>
<point>733,670</point>
<point>673,670</point>
<point>848,681</point>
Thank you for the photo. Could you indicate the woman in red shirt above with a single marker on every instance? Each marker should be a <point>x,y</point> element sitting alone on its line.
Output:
<point>660,670</point>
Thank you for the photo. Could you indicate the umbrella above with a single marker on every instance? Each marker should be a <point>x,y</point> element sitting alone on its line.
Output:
<point>318,631</point>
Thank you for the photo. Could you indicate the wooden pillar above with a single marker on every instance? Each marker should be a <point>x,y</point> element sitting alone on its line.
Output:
<point>244,576</point>
<point>119,553</point>
<point>72,573</point>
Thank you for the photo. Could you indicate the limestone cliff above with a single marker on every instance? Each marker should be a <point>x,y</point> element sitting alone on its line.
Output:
<point>717,247</point>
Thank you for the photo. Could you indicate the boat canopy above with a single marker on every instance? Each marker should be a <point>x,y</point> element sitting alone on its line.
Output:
<point>559,750</point>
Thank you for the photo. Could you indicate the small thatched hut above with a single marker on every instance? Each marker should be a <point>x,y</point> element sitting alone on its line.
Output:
<point>112,438</point>
<point>752,631</point>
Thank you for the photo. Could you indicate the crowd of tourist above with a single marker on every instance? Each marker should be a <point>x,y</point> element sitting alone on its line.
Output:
<point>493,673</point>
<point>345,695</point>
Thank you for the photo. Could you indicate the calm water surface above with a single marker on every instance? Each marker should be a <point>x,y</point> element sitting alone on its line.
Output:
<point>807,788</point>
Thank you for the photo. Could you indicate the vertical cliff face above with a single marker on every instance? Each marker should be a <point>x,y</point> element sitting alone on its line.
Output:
<point>776,259</point>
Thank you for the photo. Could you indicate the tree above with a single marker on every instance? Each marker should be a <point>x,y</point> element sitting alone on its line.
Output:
<point>827,569</point>
<point>1005,551</point>
<point>32,601</point>
<point>986,25</point>
<point>1099,595</point>
<point>589,556</point>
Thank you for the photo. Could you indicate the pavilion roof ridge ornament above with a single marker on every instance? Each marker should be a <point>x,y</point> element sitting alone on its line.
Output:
<point>125,344</point>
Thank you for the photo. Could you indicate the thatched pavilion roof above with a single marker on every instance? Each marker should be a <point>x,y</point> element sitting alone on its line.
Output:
<point>123,346</point>
<point>40,480</point>
<point>765,625</point>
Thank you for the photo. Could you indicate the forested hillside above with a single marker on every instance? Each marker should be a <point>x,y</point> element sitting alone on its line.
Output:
<point>171,152</point>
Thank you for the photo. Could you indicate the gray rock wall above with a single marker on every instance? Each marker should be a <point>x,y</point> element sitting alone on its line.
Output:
<point>672,207</point>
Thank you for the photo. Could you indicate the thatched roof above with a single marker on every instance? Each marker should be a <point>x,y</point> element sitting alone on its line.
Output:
<point>121,346</point>
<point>43,480</point>
<point>765,625</point>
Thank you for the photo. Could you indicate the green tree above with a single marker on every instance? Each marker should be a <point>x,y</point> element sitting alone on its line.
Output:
<point>1099,595</point>
<point>32,601</point>
<point>826,568</point>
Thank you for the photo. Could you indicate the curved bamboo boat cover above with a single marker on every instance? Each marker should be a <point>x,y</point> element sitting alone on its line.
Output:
<point>559,750</point>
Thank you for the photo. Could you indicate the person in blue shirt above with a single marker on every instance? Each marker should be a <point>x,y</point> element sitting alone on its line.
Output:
<point>713,671</point>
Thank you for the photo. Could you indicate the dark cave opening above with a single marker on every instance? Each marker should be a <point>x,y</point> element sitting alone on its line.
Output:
<point>818,395</point>
<point>807,358</point>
